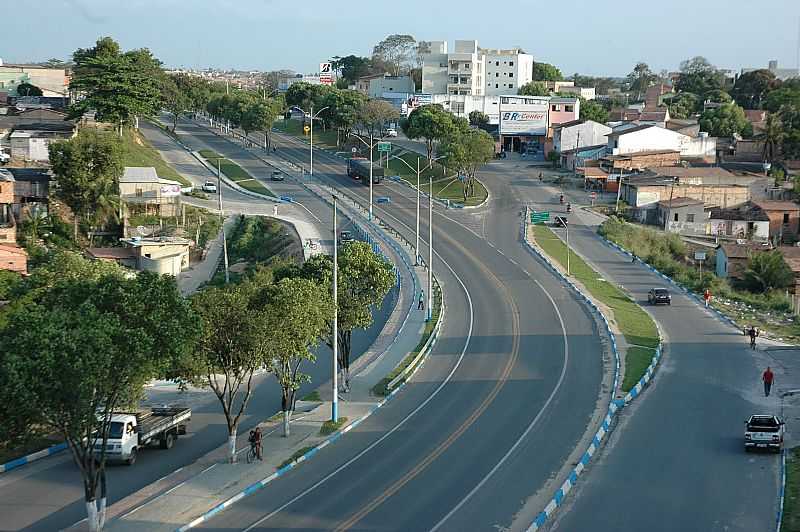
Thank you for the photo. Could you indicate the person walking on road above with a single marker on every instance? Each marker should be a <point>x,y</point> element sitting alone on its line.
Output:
<point>421,304</point>
<point>768,377</point>
<point>707,296</point>
<point>752,332</point>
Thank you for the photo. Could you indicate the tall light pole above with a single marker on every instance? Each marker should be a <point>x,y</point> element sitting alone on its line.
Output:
<point>430,248</point>
<point>335,340</point>
<point>311,131</point>
<point>222,220</point>
<point>371,146</point>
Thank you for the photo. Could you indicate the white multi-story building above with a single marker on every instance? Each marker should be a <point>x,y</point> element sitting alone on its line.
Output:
<point>473,71</point>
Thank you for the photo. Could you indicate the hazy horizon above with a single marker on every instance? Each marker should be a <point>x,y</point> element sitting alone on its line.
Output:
<point>262,34</point>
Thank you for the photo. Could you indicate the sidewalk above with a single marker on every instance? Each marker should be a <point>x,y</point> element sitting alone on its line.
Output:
<point>189,281</point>
<point>210,484</point>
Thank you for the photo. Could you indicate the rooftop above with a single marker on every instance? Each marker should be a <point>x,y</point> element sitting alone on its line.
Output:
<point>562,125</point>
<point>768,205</point>
<point>584,148</point>
<point>749,212</point>
<point>143,174</point>
<point>155,241</point>
<point>111,253</point>
<point>681,171</point>
<point>630,130</point>
<point>679,202</point>
<point>740,251</point>
<point>629,156</point>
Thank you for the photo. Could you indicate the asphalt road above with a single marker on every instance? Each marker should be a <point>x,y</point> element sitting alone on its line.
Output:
<point>676,460</point>
<point>514,380</point>
<point>47,495</point>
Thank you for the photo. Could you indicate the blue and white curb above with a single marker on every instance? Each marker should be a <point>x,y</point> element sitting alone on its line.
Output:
<point>781,492</point>
<point>614,405</point>
<point>19,462</point>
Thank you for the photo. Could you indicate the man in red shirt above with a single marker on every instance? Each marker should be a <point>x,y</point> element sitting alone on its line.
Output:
<point>707,296</point>
<point>768,377</point>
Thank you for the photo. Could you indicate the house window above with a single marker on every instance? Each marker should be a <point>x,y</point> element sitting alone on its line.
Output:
<point>511,63</point>
<point>569,108</point>
<point>510,86</point>
<point>510,75</point>
<point>555,107</point>
<point>786,217</point>
<point>690,218</point>
<point>675,217</point>
<point>497,63</point>
<point>497,75</point>
<point>496,86</point>
<point>467,65</point>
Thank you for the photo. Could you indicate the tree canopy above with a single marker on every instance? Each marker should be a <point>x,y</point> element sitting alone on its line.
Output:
<point>396,51</point>
<point>28,89</point>
<point>546,72</point>
<point>534,88</point>
<point>751,88</point>
<point>467,150</point>
<point>429,122</point>
<point>726,121</point>
<point>767,271</point>
<point>699,77</point>
<point>592,110</point>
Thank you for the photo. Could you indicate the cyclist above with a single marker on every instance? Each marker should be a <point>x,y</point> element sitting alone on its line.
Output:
<point>257,442</point>
<point>541,177</point>
<point>561,199</point>
<point>569,207</point>
<point>752,332</point>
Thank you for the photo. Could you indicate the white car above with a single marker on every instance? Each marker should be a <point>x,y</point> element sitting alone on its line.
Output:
<point>763,432</point>
<point>391,132</point>
<point>209,186</point>
<point>4,157</point>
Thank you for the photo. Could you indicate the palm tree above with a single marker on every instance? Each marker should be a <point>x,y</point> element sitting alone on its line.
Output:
<point>773,136</point>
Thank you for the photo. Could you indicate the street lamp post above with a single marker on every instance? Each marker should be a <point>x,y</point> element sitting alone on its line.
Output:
<point>222,220</point>
<point>311,131</point>
<point>371,147</point>
<point>430,247</point>
<point>335,340</point>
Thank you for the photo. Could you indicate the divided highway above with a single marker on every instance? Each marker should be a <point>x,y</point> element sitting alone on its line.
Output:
<point>504,398</point>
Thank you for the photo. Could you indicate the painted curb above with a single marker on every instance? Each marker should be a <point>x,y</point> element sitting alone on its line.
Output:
<point>614,406</point>
<point>19,462</point>
<point>781,492</point>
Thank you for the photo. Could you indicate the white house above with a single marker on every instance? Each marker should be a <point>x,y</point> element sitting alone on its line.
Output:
<point>579,134</point>
<point>652,138</point>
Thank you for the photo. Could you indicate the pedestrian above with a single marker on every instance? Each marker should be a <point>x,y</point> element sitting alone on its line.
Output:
<point>752,333</point>
<point>768,377</point>
<point>707,296</point>
<point>421,304</point>
<point>257,440</point>
<point>633,258</point>
<point>274,149</point>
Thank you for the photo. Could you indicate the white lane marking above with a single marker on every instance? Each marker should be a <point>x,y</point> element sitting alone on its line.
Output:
<point>399,425</point>
<point>532,423</point>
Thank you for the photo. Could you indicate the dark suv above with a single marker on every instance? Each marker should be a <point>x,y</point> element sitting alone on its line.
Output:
<point>659,296</point>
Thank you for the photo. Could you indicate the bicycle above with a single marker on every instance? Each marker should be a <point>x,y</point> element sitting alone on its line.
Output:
<point>252,454</point>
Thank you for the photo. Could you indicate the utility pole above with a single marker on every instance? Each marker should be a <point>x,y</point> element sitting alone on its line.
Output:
<point>430,247</point>
<point>311,149</point>
<point>566,228</point>
<point>416,245</point>
<point>222,220</point>
<point>371,149</point>
<point>335,339</point>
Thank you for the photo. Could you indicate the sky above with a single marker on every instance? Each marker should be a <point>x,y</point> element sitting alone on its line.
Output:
<point>598,37</point>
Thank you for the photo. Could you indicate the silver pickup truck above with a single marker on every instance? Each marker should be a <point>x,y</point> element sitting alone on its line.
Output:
<point>763,432</point>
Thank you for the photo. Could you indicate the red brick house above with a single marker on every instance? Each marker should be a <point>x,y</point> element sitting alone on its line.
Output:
<point>13,258</point>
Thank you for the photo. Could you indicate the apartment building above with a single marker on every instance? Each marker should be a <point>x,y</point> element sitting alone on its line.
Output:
<point>473,71</point>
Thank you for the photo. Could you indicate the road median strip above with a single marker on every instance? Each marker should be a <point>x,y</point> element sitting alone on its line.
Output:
<point>614,405</point>
<point>234,172</point>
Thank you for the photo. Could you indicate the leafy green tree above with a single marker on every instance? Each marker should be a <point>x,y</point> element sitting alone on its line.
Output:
<point>374,114</point>
<point>546,72</point>
<point>429,122</point>
<point>718,96</point>
<point>343,111</point>
<point>773,136</point>
<point>726,121</point>
<point>296,315</point>
<point>84,350</point>
<point>118,86</point>
<point>27,89</point>
<point>479,119</point>
<point>305,95</point>
<point>467,151</point>
<point>787,95</point>
<point>88,168</point>
<point>534,88</point>
<point>175,100</point>
<point>259,115</point>
<point>196,89</point>
<point>699,77</point>
<point>751,88</point>
<point>351,67</point>
<point>683,105</point>
<point>640,78</point>
<point>396,51</point>
<point>767,271</point>
<point>592,110</point>
<point>231,347</point>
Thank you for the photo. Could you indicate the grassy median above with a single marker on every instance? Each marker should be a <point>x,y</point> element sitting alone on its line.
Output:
<point>791,501</point>
<point>235,173</point>
<point>635,324</point>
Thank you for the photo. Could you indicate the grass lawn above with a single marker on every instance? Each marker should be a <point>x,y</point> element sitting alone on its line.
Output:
<point>297,454</point>
<point>637,359</point>
<point>636,325</point>
<point>329,427</point>
<point>381,389</point>
<point>137,151</point>
<point>791,502</point>
<point>322,139</point>
<point>235,173</point>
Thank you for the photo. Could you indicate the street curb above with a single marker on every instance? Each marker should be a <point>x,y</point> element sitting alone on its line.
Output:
<point>614,406</point>
<point>19,462</point>
<point>781,492</point>
<point>249,490</point>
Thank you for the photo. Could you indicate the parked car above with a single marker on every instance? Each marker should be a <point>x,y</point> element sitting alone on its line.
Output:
<point>4,157</point>
<point>277,175</point>
<point>209,186</point>
<point>763,432</point>
<point>391,132</point>
<point>658,296</point>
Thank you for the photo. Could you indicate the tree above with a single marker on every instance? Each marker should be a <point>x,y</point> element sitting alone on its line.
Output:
<point>84,350</point>
<point>374,114</point>
<point>592,110</point>
<point>429,122</point>
<point>718,96</point>
<point>343,113</point>
<point>27,89</point>
<point>88,168</point>
<point>534,88</point>
<point>175,100</point>
<point>726,121</point>
<point>786,96</point>
<point>546,72</point>
<point>230,348</point>
<point>640,79</point>
<point>699,77</point>
<point>767,271</point>
<point>259,115</point>
<point>751,88</point>
<point>351,67</point>
<point>683,105</point>
<point>395,50</point>
<point>479,119</point>
<point>296,315</point>
<point>305,95</point>
<point>467,151</point>
<point>773,137</point>
<point>118,86</point>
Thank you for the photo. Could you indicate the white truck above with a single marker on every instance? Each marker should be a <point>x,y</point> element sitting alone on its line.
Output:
<point>131,431</point>
<point>763,432</point>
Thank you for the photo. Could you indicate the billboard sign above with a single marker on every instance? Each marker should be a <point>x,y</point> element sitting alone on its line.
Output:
<point>169,191</point>
<point>325,74</point>
<point>520,115</point>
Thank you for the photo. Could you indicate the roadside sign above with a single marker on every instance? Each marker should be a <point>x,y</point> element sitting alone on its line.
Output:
<point>462,177</point>
<point>353,150</point>
<point>699,255</point>
<point>385,146</point>
<point>594,195</point>
<point>540,217</point>
<point>306,129</point>
<point>325,74</point>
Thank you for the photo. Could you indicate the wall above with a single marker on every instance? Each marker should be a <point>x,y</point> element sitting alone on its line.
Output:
<point>434,69</point>
<point>777,227</point>
<point>658,138</point>
<point>722,264</point>
<point>506,72</point>
<point>12,261</point>
<point>738,228</point>
<point>463,105</point>
<point>401,84</point>
<point>591,134</point>
<point>721,196</point>
<point>6,191</point>
<point>559,112</point>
